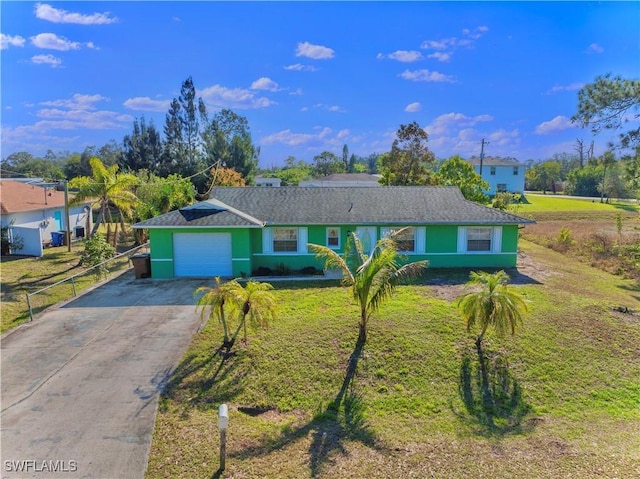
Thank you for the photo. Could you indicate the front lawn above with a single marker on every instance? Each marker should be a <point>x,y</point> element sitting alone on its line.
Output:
<point>560,399</point>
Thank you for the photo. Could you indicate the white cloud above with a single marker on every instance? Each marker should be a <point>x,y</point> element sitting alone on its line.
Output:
<point>297,92</point>
<point>559,123</point>
<point>440,56</point>
<point>77,102</point>
<point>569,87</point>
<point>450,122</point>
<point>71,119</point>
<point>413,107</point>
<point>222,97</point>
<point>301,68</point>
<point>317,52</point>
<point>445,47</point>
<point>289,138</point>
<point>405,56</point>
<point>426,76</point>
<point>595,48</point>
<point>46,60</point>
<point>55,15</point>
<point>342,134</point>
<point>332,108</point>
<point>264,83</point>
<point>75,113</point>
<point>51,41</point>
<point>14,41</point>
<point>144,103</point>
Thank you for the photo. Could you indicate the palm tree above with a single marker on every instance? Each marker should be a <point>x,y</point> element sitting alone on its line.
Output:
<point>494,305</point>
<point>214,300</point>
<point>256,301</point>
<point>372,278</point>
<point>106,186</point>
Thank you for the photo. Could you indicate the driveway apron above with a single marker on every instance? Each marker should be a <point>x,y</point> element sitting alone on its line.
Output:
<point>80,384</point>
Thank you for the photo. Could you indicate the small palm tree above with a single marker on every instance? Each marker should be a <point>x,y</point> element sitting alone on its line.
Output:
<point>106,186</point>
<point>494,305</point>
<point>372,278</point>
<point>256,302</point>
<point>214,300</point>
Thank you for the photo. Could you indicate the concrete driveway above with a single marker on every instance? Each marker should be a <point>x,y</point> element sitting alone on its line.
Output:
<point>80,384</point>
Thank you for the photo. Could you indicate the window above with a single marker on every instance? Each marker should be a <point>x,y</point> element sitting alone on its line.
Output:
<point>333,238</point>
<point>501,187</point>
<point>493,171</point>
<point>285,240</point>
<point>516,170</point>
<point>478,239</point>
<point>408,239</point>
<point>405,239</point>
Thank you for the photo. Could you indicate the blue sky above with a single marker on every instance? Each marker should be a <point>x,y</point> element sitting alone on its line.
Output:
<point>314,76</point>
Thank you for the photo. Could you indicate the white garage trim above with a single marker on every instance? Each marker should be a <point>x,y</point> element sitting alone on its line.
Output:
<point>202,254</point>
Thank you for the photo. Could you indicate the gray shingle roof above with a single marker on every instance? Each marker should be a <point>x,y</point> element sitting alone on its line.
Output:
<point>388,205</point>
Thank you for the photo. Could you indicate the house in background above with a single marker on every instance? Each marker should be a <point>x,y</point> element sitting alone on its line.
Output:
<point>239,231</point>
<point>502,174</point>
<point>344,179</point>
<point>268,182</point>
<point>33,213</point>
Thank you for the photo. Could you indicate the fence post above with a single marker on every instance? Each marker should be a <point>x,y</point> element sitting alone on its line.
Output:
<point>29,305</point>
<point>73,285</point>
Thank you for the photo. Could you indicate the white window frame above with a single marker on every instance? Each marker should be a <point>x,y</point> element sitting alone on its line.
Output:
<point>337,230</point>
<point>268,240</point>
<point>495,239</point>
<point>419,237</point>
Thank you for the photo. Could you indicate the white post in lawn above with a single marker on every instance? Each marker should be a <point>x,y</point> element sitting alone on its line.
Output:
<point>223,424</point>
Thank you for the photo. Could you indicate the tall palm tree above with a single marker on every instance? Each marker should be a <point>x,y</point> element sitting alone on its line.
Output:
<point>106,186</point>
<point>257,303</point>
<point>214,301</point>
<point>373,278</point>
<point>492,306</point>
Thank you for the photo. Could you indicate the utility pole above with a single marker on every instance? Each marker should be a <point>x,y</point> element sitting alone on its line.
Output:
<point>482,153</point>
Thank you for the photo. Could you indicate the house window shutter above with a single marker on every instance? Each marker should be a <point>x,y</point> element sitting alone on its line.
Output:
<point>267,240</point>
<point>496,240</point>
<point>421,239</point>
<point>462,239</point>
<point>302,240</point>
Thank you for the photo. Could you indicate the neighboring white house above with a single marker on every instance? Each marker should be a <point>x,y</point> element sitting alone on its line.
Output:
<point>344,179</point>
<point>268,182</point>
<point>33,213</point>
<point>502,174</point>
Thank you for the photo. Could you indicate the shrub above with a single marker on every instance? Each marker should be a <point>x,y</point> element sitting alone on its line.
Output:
<point>564,241</point>
<point>97,251</point>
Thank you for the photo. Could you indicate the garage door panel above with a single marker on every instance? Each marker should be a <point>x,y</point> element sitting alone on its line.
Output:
<point>202,254</point>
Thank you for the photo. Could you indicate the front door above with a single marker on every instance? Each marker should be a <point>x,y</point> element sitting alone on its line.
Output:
<point>368,237</point>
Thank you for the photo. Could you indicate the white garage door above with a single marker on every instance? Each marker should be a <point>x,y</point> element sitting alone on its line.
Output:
<point>202,254</point>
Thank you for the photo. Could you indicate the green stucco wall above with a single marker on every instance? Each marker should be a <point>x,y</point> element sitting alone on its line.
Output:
<point>247,254</point>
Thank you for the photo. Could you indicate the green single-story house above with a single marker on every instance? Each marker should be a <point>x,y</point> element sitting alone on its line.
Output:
<point>240,230</point>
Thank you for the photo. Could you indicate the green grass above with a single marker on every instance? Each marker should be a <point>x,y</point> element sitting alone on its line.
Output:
<point>552,203</point>
<point>23,274</point>
<point>566,388</point>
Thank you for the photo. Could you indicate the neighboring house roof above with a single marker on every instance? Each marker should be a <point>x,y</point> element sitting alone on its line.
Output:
<point>344,179</point>
<point>387,205</point>
<point>17,196</point>
<point>494,161</point>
